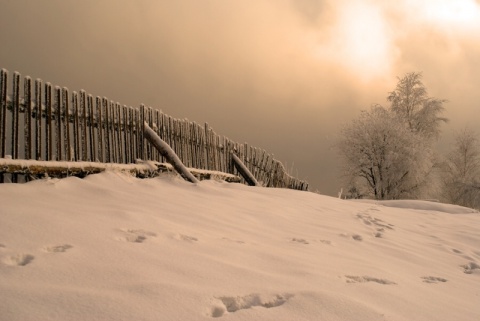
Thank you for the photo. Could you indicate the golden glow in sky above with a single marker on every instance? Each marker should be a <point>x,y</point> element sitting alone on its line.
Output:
<point>359,41</point>
<point>363,34</point>
<point>454,13</point>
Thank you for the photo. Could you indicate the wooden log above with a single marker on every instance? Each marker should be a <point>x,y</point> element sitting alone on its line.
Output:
<point>243,170</point>
<point>82,169</point>
<point>169,154</point>
<point>27,96</point>
<point>38,119</point>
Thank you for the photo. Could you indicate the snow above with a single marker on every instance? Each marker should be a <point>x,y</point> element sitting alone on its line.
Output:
<point>114,247</point>
<point>423,205</point>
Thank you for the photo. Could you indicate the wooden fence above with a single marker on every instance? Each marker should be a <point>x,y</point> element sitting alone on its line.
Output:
<point>53,124</point>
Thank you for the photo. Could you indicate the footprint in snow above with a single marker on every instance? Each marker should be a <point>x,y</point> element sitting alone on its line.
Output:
<point>186,238</point>
<point>234,241</point>
<point>231,304</point>
<point>433,279</point>
<point>363,279</point>
<point>471,268</point>
<point>18,259</point>
<point>57,248</point>
<point>302,241</point>
<point>135,236</point>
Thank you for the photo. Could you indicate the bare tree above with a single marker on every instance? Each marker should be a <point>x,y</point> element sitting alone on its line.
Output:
<point>461,171</point>
<point>387,152</point>
<point>410,101</point>
<point>383,157</point>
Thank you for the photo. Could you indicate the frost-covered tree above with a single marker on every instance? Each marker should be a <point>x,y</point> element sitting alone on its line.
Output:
<point>411,102</point>
<point>383,156</point>
<point>461,171</point>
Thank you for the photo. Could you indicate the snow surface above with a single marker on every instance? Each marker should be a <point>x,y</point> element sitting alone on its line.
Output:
<point>114,247</point>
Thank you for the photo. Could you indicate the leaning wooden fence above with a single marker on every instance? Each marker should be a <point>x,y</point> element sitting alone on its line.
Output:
<point>53,124</point>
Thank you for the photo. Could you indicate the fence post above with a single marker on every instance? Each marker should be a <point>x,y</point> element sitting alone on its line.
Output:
<point>77,132</point>
<point>140,132</point>
<point>38,119</point>
<point>83,126</point>
<point>27,94</point>
<point>66,124</point>
<point>3,113</point>
<point>48,123</point>
<point>15,114</point>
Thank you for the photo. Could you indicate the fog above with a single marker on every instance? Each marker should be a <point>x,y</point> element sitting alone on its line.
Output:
<point>283,75</point>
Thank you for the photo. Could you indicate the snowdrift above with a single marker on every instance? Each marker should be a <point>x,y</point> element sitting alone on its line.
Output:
<point>113,247</point>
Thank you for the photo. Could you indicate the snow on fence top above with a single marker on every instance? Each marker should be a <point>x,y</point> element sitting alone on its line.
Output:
<point>52,124</point>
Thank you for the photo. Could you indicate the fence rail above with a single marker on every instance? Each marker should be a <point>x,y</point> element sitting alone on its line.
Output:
<point>53,124</point>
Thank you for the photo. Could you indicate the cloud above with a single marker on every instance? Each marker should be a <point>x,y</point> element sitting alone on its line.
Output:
<point>281,75</point>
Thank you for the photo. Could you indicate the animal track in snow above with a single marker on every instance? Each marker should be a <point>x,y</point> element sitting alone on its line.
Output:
<point>471,268</point>
<point>433,279</point>
<point>232,304</point>
<point>231,240</point>
<point>135,236</point>
<point>57,248</point>
<point>363,279</point>
<point>186,238</point>
<point>357,237</point>
<point>302,241</point>
<point>18,259</point>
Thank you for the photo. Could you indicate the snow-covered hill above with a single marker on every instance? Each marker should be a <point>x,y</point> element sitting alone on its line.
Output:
<point>113,247</point>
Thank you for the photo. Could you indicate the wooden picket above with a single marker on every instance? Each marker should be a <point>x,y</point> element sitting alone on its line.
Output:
<point>54,124</point>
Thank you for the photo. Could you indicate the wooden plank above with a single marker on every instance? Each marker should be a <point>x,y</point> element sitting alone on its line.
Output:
<point>112,132</point>
<point>49,130</point>
<point>83,126</point>
<point>131,135</point>
<point>66,125</point>
<point>58,122</point>
<point>105,109</point>
<point>126,139</point>
<point>38,119</point>
<point>77,130</point>
<point>91,128</point>
<point>118,128</point>
<point>15,114</point>
<point>100,136</point>
<point>3,112</point>
<point>27,96</point>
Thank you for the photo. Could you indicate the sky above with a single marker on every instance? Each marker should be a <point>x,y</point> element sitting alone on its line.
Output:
<point>282,75</point>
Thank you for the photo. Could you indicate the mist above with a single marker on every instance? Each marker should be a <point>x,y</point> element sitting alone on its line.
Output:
<point>280,75</point>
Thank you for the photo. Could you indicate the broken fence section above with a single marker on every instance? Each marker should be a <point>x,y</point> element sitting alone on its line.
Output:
<point>41,122</point>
